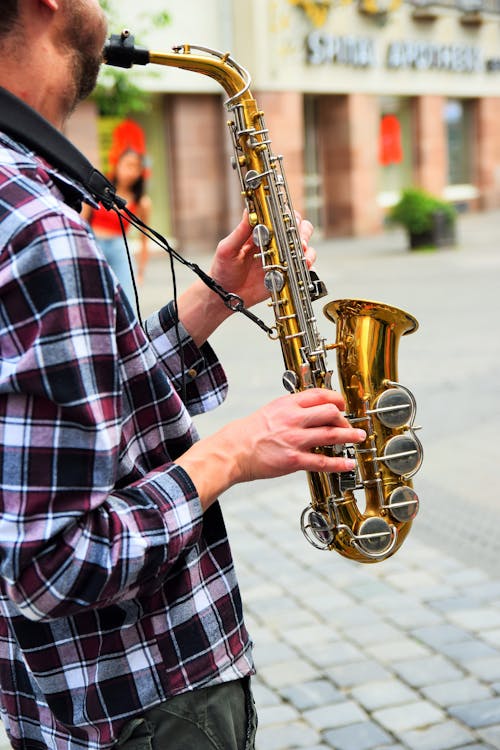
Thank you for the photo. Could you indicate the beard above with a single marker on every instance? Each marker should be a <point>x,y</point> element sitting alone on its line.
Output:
<point>83,35</point>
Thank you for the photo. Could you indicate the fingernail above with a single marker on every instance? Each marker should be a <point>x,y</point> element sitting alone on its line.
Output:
<point>361,435</point>
<point>350,464</point>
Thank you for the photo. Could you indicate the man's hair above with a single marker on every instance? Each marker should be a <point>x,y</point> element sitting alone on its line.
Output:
<point>8,16</point>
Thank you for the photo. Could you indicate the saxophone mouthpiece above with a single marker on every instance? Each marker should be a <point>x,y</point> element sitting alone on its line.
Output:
<point>121,52</point>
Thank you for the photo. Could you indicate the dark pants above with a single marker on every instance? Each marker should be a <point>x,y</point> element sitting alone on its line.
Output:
<point>222,717</point>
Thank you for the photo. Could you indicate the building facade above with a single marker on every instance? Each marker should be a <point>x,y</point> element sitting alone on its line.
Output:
<point>362,98</point>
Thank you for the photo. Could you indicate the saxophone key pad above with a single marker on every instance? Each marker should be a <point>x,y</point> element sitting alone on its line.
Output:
<point>402,454</point>
<point>261,236</point>
<point>394,408</point>
<point>403,504</point>
<point>375,536</point>
<point>315,528</point>
<point>274,281</point>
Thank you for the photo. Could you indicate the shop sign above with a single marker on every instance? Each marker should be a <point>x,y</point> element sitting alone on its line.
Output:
<point>356,52</point>
<point>454,58</point>
<point>361,52</point>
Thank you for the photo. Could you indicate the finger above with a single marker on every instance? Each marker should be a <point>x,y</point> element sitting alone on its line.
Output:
<point>306,230</point>
<point>324,415</point>
<point>310,256</point>
<point>318,462</point>
<point>316,396</point>
<point>318,437</point>
<point>234,241</point>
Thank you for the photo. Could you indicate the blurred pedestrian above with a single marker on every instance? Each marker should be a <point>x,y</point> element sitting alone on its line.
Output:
<point>128,177</point>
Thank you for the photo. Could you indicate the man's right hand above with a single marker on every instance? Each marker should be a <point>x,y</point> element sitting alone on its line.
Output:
<point>276,440</point>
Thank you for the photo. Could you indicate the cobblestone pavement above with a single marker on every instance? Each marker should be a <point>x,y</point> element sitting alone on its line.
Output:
<point>404,654</point>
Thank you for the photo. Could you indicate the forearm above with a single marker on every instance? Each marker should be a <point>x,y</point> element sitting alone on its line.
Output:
<point>201,311</point>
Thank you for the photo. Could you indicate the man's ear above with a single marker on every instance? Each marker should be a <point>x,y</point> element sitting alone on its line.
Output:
<point>51,4</point>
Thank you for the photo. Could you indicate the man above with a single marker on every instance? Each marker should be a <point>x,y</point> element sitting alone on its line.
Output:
<point>121,618</point>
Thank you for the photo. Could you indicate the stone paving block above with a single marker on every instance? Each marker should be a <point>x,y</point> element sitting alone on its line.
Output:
<point>263,696</point>
<point>310,634</point>
<point>286,736</point>
<point>479,713</point>
<point>443,736</point>
<point>413,581</point>
<point>440,635</point>
<point>429,671</point>
<point>467,577</point>
<point>394,601</point>
<point>357,673</point>
<point>437,591</point>
<point>383,694</point>
<point>485,669</point>
<point>414,617</point>
<point>370,590</point>
<point>491,735</point>
<point>282,674</point>
<point>478,619</point>
<point>452,603</point>
<point>280,714</point>
<point>487,592</point>
<point>377,631</point>
<point>397,650</point>
<point>264,590</point>
<point>409,716</point>
<point>469,650</point>
<point>364,736</point>
<point>456,692</point>
<point>492,636</point>
<point>310,694</point>
<point>274,618</point>
<point>326,655</point>
<point>351,616</point>
<point>335,715</point>
<point>272,652</point>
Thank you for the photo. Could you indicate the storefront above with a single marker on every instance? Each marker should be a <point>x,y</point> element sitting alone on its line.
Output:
<point>361,99</point>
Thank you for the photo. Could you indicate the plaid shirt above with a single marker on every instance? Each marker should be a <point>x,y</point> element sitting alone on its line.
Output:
<point>116,592</point>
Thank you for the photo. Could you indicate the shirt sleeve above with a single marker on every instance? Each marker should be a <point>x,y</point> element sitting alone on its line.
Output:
<point>68,540</point>
<point>195,372</point>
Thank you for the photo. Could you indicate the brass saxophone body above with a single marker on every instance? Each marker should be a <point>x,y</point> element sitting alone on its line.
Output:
<point>367,339</point>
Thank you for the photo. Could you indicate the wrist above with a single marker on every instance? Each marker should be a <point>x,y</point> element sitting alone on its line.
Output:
<point>201,311</point>
<point>212,466</point>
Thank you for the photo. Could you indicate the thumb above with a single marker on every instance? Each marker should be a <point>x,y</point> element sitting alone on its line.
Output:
<point>234,241</point>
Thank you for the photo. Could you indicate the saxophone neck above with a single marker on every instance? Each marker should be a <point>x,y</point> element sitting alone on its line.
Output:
<point>121,51</point>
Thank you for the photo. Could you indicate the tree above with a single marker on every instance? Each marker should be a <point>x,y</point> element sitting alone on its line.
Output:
<point>116,94</point>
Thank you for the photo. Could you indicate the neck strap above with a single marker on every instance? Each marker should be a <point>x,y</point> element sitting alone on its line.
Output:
<point>24,124</point>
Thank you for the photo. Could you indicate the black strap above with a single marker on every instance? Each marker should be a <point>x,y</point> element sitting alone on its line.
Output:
<point>24,124</point>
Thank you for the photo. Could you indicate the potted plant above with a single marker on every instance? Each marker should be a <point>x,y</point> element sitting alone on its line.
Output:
<point>429,221</point>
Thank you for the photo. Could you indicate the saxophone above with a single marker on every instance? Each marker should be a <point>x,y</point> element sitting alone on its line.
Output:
<point>367,339</point>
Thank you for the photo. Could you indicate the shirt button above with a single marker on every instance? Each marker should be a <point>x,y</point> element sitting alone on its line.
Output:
<point>192,373</point>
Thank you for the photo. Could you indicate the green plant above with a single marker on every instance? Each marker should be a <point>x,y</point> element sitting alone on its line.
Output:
<point>416,210</point>
<point>116,93</point>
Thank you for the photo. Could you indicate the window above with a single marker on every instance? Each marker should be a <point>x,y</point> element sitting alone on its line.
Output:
<point>458,121</point>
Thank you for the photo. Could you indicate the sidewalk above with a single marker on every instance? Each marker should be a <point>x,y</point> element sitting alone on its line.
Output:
<point>404,654</point>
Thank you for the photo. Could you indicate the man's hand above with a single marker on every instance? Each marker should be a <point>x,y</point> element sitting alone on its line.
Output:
<point>237,270</point>
<point>278,439</point>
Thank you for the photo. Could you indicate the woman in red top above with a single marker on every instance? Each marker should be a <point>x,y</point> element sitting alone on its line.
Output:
<point>128,177</point>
